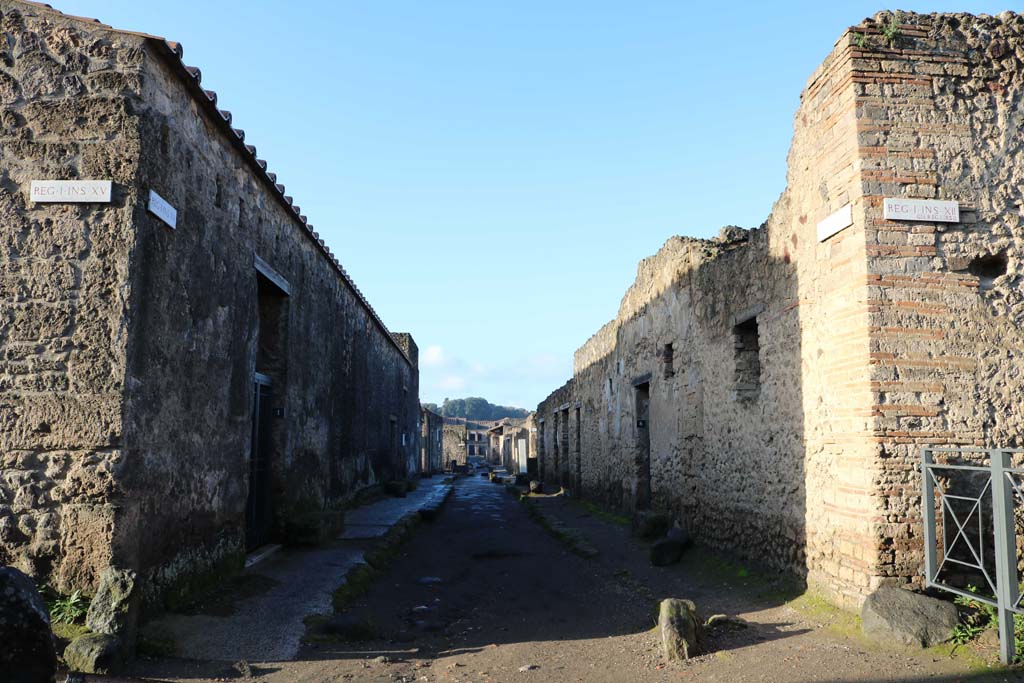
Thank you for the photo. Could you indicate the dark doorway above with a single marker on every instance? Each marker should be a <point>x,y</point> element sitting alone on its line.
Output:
<point>269,377</point>
<point>554,442</point>
<point>259,509</point>
<point>579,456</point>
<point>643,446</point>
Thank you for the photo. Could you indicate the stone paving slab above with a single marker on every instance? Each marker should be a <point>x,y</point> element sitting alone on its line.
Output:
<point>269,627</point>
<point>373,521</point>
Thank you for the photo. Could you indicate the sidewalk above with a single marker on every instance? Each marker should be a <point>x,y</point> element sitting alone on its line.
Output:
<point>268,627</point>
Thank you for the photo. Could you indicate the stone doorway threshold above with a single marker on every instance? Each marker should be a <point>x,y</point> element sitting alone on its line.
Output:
<point>261,553</point>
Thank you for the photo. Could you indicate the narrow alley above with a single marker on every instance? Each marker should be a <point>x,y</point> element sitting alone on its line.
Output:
<point>790,448</point>
<point>484,592</point>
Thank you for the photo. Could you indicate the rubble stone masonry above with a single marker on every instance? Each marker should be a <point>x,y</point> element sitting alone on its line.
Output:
<point>128,348</point>
<point>792,380</point>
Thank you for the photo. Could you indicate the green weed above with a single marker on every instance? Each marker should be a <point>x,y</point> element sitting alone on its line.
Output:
<point>891,30</point>
<point>65,609</point>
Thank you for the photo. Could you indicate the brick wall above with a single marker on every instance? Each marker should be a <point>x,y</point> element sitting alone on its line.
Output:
<point>869,342</point>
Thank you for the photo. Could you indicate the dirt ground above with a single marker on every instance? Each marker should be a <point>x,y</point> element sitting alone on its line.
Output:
<point>484,593</point>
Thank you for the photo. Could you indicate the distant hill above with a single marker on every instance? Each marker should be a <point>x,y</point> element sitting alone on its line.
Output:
<point>475,408</point>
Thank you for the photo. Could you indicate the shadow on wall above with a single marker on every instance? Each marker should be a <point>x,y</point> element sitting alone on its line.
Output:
<point>695,405</point>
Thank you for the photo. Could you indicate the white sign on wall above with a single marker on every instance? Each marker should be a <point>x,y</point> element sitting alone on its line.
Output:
<point>78,191</point>
<point>161,208</point>
<point>839,220</point>
<point>927,210</point>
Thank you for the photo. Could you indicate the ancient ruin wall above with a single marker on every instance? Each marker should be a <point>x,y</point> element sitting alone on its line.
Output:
<point>68,96</point>
<point>940,116</point>
<point>758,469</point>
<point>454,444</point>
<point>345,391</point>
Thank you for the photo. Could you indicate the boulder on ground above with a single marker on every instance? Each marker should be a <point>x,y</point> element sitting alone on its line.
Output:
<point>666,551</point>
<point>94,653</point>
<point>26,653</point>
<point>114,609</point>
<point>650,524</point>
<point>682,632</point>
<point>894,614</point>
<point>536,486</point>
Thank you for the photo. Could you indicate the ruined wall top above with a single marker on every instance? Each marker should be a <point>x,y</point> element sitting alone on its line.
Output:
<point>981,37</point>
<point>654,275</point>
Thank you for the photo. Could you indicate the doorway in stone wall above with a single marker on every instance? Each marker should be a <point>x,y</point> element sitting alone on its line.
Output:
<point>554,443</point>
<point>268,387</point>
<point>643,446</point>
<point>578,483</point>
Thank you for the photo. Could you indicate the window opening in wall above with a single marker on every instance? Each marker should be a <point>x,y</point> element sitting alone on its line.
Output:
<point>668,358</point>
<point>747,354</point>
<point>987,268</point>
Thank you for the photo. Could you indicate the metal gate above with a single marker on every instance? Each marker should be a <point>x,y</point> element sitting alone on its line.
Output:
<point>259,513</point>
<point>976,507</point>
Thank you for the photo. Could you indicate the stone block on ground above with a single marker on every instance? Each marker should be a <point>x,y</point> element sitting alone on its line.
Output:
<point>114,609</point>
<point>666,551</point>
<point>650,524</point>
<point>682,632</point>
<point>95,653</point>
<point>894,614</point>
<point>26,653</point>
<point>536,486</point>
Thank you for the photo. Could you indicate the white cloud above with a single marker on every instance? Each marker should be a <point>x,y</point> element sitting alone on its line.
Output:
<point>452,383</point>
<point>433,356</point>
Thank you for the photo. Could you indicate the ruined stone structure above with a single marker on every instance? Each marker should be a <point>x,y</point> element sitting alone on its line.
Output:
<point>510,443</point>
<point>454,438</point>
<point>173,391</point>
<point>772,387</point>
<point>431,441</point>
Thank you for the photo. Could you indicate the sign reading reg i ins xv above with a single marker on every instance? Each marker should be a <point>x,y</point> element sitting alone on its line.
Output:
<point>74,191</point>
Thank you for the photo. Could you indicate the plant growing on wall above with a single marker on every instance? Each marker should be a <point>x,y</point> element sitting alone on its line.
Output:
<point>891,28</point>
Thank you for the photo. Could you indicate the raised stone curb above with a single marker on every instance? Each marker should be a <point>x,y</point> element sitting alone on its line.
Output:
<point>571,537</point>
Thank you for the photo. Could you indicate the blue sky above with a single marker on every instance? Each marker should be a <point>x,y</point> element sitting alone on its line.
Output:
<point>490,173</point>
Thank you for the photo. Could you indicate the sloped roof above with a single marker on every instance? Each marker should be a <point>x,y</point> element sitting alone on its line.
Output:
<point>191,77</point>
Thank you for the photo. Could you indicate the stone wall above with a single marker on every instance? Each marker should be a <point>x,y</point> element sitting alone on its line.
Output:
<point>138,451</point>
<point>68,97</point>
<point>432,442</point>
<point>454,443</point>
<point>790,380</point>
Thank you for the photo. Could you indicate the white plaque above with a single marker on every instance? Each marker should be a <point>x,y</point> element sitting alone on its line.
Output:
<point>79,191</point>
<point>921,210</point>
<point>159,207</point>
<point>840,220</point>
